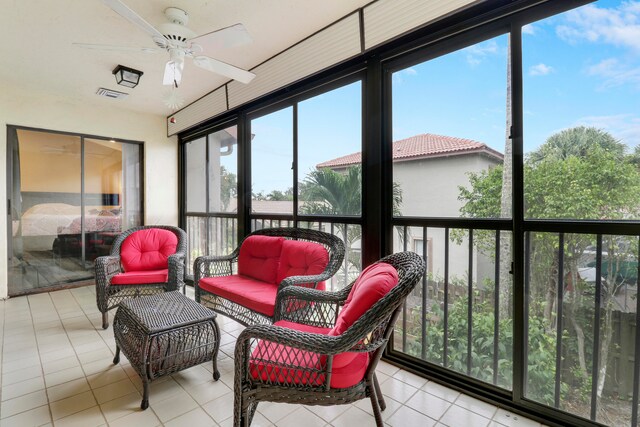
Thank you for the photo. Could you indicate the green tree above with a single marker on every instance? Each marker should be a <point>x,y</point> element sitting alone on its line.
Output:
<point>275,195</point>
<point>578,142</point>
<point>327,192</point>
<point>579,173</point>
<point>228,187</point>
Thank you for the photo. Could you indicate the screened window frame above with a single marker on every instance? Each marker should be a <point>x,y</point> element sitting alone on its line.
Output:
<point>293,101</point>
<point>478,23</point>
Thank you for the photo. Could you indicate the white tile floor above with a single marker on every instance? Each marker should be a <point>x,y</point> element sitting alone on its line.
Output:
<point>57,370</point>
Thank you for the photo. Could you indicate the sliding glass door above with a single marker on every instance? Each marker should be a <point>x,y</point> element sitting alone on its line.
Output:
<point>211,193</point>
<point>70,196</point>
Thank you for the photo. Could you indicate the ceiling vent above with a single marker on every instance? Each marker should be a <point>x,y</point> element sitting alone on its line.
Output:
<point>111,93</point>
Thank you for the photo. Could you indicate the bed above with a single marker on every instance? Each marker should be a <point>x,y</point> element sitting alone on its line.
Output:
<point>54,219</point>
<point>57,227</point>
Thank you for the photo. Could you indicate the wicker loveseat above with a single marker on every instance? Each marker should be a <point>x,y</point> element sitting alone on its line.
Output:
<point>246,284</point>
<point>326,351</point>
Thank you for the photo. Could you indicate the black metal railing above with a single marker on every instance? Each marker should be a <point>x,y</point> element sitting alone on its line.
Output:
<point>581,334</point>
<point>210,234</point>
<point>586,330</point>
<point>454,319</point>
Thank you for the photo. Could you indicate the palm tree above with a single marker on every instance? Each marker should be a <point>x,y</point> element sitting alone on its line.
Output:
<point>327,192</point>
<point>578,142</point>
<point>506,205</point>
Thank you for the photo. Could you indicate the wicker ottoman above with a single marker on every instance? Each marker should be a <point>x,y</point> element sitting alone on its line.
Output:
<point>165,333</point>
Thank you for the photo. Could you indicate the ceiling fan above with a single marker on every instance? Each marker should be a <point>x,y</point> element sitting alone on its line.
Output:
<point>181,42</point>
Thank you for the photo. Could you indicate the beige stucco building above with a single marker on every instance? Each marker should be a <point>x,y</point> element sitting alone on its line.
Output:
<point>430,169</point>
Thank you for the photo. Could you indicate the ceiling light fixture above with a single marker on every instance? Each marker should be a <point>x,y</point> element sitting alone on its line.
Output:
<point>126,76</point>
<point>172,99</point>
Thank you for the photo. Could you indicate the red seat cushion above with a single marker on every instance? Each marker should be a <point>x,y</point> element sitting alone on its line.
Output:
<point>372,284</point>
<point>272,362</point>
<point>259,257</point>
<point>246,291</point>
<point>300,258</point>
<point>147,249</point>
<point>140,277</point>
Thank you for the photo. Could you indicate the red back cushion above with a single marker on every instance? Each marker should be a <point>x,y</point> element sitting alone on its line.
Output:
<point>148,249</point>
<point>373,284</point>
<point>259,257</point>
<point>300,258</point>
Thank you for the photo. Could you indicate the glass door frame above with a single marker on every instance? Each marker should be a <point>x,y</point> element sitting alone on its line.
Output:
<point>10,201</point>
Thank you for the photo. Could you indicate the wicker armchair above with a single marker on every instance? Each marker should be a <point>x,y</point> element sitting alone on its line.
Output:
<point>221,266</point>
<point>299,359</point>
<point>145,276</point>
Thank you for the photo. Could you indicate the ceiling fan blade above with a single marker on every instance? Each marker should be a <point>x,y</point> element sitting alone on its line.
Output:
<point>133,49</point>
<point>173,73</point>
<point>128,14</point>
<point>223,69</point>
<point>235,35</point>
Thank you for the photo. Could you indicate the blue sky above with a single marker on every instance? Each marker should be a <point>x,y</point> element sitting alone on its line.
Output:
<point>580,68</point>
<point>329,126</point>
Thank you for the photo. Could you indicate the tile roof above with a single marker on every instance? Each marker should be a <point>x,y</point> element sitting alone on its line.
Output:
<point>421,146</point>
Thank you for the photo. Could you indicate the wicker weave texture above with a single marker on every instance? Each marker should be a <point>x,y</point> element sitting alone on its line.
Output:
<point>210,266</point>
<point>165,333</point>
<point>108,296</point>
<point>295,367</point>
<point>238,312</point>
<point>169,311</point>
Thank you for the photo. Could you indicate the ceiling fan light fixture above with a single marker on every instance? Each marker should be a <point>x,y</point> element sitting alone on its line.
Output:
<point>180,42</point>
<point>126,76</point>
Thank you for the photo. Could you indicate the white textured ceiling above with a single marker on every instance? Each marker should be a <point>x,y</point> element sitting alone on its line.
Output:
<point>38,56</point>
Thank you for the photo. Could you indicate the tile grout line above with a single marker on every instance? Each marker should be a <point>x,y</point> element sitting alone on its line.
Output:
<point>44,381</point>
<point>64,327</point>
<point>4,313</point>
<point>34,305</point>
<point>86,376</point>
<point>33,327</point>
<point>127,375</point>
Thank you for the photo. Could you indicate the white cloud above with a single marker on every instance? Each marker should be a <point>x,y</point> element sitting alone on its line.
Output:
<point>399,76</point>
<point>478,52</point>
<point>615,73</point>
<point>529,29</point>
<point>617,26</point>
<point>540,70</point>
<point>624,127</point>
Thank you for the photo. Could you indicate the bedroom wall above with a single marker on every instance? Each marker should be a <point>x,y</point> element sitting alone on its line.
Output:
<point>39,162</point>
<point>104,118</point>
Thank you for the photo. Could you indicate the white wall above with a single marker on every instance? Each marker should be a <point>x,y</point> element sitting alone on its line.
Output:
<point>430,189</point>
<point>430,186</point>
<point>104,118</point>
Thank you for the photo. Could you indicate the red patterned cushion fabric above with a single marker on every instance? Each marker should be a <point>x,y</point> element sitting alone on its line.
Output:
<point>246,291</point>
<point>300,258</point>
<point>276,363</point>
<point>148,249</point>
<point>373,283</point>
<point>259,257</point>
<point>140,277</point>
